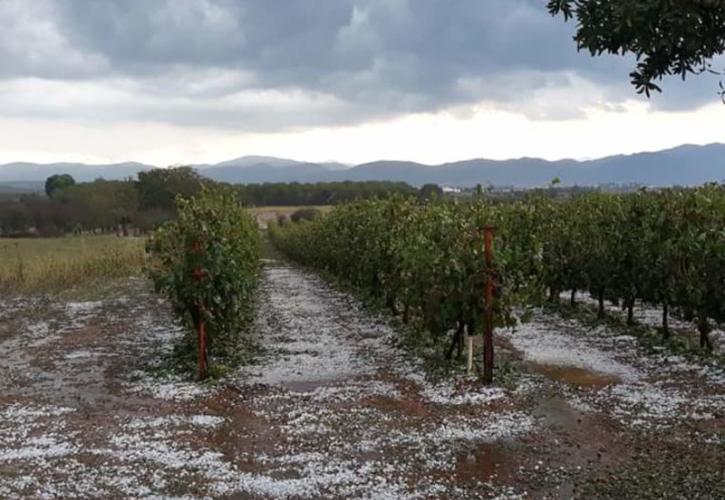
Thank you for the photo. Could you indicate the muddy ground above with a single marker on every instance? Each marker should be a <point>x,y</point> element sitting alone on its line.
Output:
<point>334,410</point>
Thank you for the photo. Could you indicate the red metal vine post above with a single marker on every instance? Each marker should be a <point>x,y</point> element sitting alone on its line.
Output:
<point>488,323</point>
<point>198,275</point>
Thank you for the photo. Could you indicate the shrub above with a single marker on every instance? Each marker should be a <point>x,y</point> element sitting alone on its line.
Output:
<point>207,263</point>
<point>305,214</point>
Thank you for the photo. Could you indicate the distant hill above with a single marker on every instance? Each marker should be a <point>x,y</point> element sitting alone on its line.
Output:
<point>21,171</point>
<point>248,169</point>
<point>22,187</point>
<point>683,165</point>
<point>264,173</point>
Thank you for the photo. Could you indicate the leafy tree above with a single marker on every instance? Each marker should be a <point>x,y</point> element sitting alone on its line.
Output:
<point>57,182</point>
<point>14,218</point>
<point>158,188</point>
<point>103,204</point>
<point>430,192</point>
<point>319,193</point>
<point>668,37</point>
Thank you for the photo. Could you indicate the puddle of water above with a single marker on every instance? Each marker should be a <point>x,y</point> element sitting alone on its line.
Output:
<point>559,413</point>
<point>575,376</point>
<point>303,386</point>
<point>388,404</point>
<point>485,462</point>
<point>581,442</point>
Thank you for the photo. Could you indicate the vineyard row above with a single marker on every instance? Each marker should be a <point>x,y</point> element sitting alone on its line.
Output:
<point>425,260</point>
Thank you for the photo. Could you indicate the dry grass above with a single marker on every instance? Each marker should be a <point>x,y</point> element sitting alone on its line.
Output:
<point>56,264</point>
<point>266,214</point>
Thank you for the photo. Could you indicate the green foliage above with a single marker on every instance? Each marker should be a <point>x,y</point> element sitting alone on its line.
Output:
<point>57,182</point>
<point>664,248</point>
<point>158,188</point>
<point>213,234</point>
<point>430,192</point>
<point>305,214</point>
<point>668,37</point>
<point>129,205</point>
<point>422,260</point>
<point>101,203</point>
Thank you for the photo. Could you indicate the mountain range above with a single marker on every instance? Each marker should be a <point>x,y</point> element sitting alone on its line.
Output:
<point>683,165</point>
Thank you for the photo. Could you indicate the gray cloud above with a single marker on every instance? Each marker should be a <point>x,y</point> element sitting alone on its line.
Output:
<point>231,62</point>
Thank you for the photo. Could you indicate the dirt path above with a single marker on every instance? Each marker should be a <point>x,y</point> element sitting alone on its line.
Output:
<point>333,410</point>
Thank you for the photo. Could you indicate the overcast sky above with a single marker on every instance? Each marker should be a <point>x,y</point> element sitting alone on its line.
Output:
<point>178,81</point>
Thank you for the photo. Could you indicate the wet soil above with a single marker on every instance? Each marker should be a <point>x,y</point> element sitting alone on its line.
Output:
<point>575,376</point>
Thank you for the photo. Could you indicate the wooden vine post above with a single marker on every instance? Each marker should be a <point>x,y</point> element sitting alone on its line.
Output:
<point>488,318</point>
<point>198,274</point>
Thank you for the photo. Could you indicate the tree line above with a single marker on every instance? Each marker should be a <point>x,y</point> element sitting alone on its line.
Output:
<point>144,203</point>
<point>320,193</point>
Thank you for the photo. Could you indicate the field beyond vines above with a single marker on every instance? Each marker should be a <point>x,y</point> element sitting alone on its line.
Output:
<point>33,265</point>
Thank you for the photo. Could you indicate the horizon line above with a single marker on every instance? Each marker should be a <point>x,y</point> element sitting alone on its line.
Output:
<point>353,165</point>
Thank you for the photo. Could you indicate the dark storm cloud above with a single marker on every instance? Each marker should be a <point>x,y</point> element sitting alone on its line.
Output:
<point>350,60</point>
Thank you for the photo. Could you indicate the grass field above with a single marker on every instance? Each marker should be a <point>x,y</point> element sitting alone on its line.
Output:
<point>266,214</point>
<point>53,264</point>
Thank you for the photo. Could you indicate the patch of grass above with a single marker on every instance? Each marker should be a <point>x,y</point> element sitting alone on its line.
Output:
<point>36,265</point>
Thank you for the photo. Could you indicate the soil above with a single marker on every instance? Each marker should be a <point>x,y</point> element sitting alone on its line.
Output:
<point>333,409</point>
